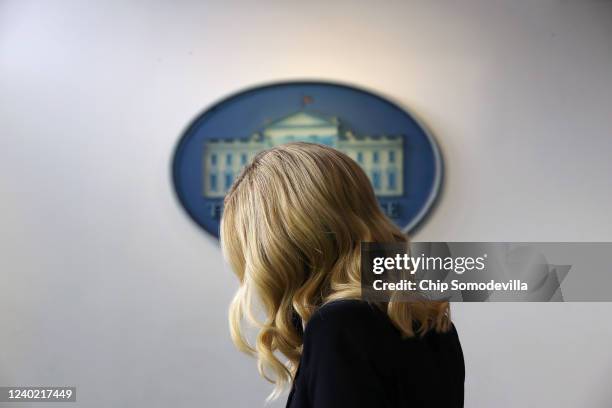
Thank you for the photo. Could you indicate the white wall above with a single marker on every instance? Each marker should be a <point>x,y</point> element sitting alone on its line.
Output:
<point>107,285</point>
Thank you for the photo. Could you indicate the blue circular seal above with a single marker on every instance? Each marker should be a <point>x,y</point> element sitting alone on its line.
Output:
<point>401,159</point>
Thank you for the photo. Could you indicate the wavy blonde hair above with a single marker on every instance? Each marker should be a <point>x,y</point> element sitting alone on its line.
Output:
<point>292,227</point>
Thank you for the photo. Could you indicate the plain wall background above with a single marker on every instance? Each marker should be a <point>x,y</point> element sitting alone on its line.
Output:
<point>105,282</point>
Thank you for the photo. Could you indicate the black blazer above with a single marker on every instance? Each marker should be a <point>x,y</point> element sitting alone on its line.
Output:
<point>354,357</point>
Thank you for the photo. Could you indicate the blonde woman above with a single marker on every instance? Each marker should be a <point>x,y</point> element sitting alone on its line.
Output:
<point>292,226</point>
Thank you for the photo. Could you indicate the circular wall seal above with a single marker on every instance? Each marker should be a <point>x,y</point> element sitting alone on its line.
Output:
<point>401,159</point>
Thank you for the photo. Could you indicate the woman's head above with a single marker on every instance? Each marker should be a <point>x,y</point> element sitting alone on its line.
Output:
<point>292,227</point>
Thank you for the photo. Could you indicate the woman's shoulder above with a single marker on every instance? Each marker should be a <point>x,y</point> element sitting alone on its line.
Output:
<point>346,329</point>
<point>358,316</point>
<point>342,307</point>
<point>346,314</point>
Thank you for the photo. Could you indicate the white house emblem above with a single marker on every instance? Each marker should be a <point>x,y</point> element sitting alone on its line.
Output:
<point>400,158</point>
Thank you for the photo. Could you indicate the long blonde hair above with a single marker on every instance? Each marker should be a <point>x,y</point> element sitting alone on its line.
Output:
<point>292,227</point>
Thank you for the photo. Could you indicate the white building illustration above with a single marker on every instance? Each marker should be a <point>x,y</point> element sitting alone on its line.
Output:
<point>380,156</point>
